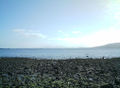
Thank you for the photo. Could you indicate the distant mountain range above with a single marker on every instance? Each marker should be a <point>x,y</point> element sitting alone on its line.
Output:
<point>112,45</point>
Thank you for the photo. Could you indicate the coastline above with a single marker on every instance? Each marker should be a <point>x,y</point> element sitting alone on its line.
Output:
<point>62,73</point>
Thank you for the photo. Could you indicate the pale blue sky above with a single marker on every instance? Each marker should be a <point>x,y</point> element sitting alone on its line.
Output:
<point>58,23</point>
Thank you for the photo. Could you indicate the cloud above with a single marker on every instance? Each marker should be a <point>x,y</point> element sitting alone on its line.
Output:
<point>70,33</point>
<point>63,33</point>
<point>29,33</point>
<point>101,37</point>
<point>97,38</point>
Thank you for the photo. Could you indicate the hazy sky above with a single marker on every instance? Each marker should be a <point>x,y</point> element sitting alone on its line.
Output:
<point>58,23</point>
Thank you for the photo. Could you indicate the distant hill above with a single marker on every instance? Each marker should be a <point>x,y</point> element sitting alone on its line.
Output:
<point>112,45</point>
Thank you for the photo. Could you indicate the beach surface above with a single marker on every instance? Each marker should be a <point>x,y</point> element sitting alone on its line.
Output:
<point>69,73</point>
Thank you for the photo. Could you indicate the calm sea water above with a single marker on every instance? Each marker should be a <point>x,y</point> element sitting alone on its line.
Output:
<point>60,53</point>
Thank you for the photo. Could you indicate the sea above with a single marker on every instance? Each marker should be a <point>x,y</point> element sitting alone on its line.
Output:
<point>60,53</point>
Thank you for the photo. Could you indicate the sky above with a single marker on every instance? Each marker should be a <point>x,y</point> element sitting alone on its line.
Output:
<point>59,23</point>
